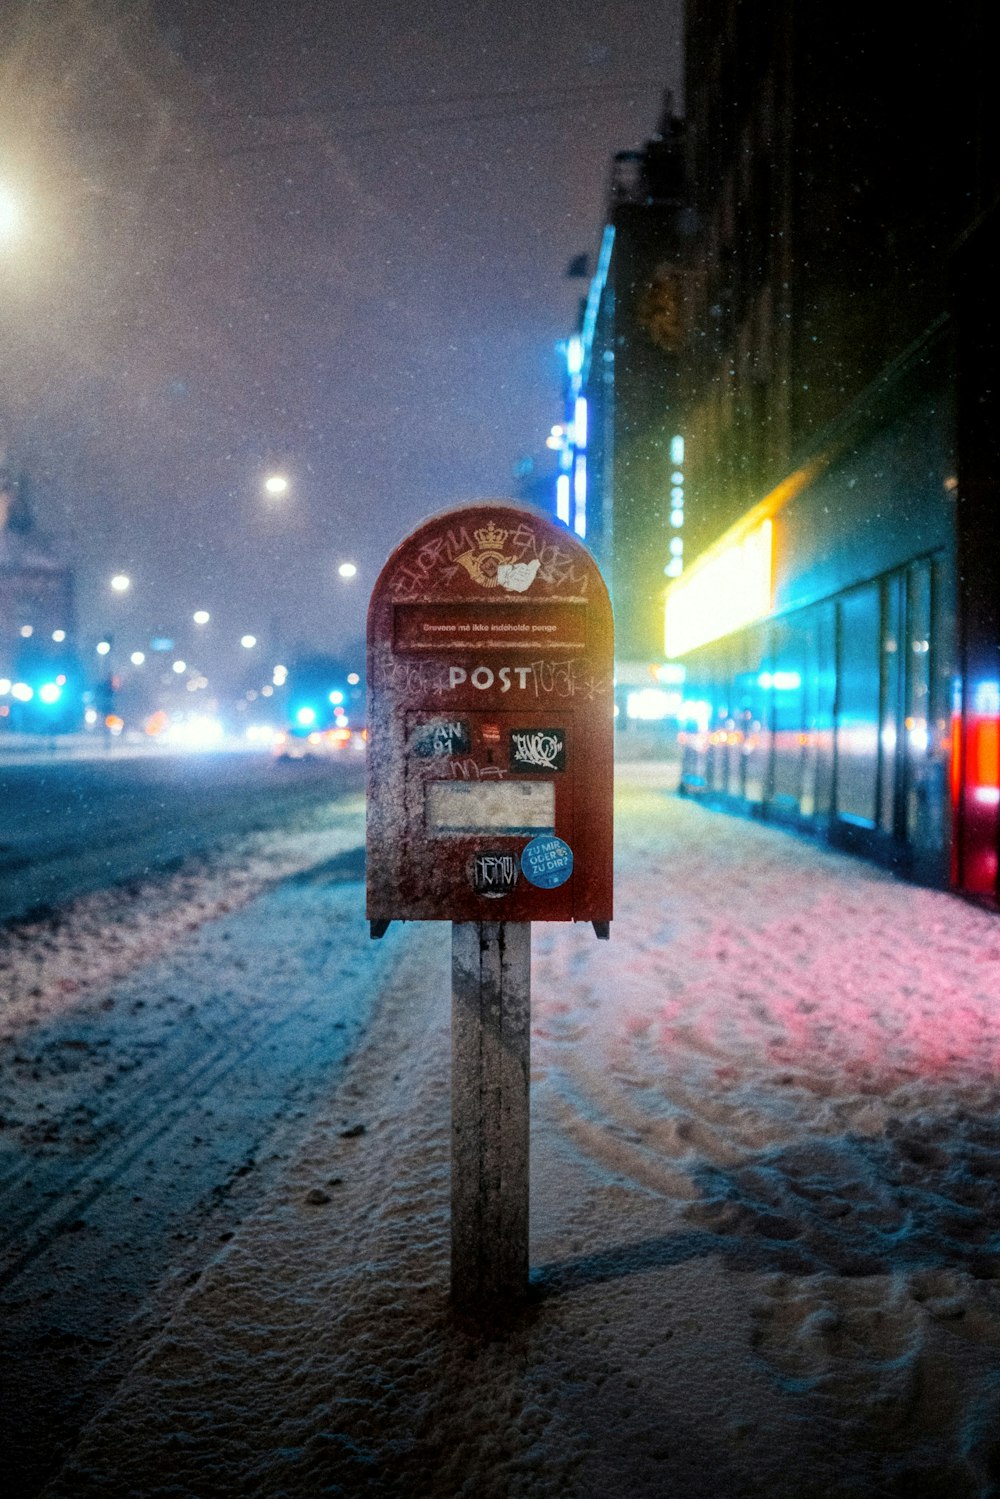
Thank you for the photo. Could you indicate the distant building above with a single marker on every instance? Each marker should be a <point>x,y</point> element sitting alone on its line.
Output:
<point>37,620</point>
<point>616,486</point>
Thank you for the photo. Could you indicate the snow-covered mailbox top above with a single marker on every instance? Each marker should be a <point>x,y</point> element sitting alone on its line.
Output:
<point>490,724</point>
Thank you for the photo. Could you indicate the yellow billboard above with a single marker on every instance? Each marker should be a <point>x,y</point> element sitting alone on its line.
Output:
<point>728,587</point>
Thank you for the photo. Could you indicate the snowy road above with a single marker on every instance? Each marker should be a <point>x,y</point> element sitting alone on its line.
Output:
<point>74,825</point>
<point>161,1046</point>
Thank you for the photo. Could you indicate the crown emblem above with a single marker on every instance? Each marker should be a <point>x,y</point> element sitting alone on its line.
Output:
<point>491,538</point>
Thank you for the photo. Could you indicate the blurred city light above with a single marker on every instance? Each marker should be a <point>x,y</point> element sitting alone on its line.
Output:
<point>248,642</point>
<point>5,685</point>
<point>10,214</point>
<point>347,570</point>
<point>200,731</point>
<point>179,667</point>
<point>276,484</point>
<point>22,692</point>
<point>59,636</point>
<point>103,647</point>
<point>651,704</point>
<point>121,583</point>
<point>336,697</point>
<point>305,716</point>
<point>49,692</point>
<point>27,631</point>
<point>201,616</point>
<point>353,678</point>
<point>137,658</point>
<point>280,676</point>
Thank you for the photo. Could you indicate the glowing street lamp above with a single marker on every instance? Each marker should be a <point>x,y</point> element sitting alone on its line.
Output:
<point>121,583</point>
<point>248,642</point>
<point>103,647</point>
<point>201,616</point>
<point>137,658</point>
<point>348,570</point>
<point>10,214</point>
<point>275,485</point>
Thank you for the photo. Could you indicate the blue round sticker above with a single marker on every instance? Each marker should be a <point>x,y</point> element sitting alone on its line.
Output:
<point>547,862</point>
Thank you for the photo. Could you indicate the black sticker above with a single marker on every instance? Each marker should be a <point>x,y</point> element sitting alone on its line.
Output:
<point>494,873</point>
<point>537,749</point>
<point>441,736</point>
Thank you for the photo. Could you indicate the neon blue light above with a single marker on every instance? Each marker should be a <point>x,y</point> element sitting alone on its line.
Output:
<point>677,477</point>
<point>677,517</point>
<point>677,450</point>
<point>305,716</point>
<point>562,498</point>
<point>677,495</point>
<point>594,299</point>
<point>580,422</point>
<point>574,354</point>
<point>50,692</point>
<point>986,698</point>
<point>580,496</point>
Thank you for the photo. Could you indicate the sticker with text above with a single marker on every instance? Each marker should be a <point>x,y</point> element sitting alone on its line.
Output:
<point>494,873</point>
<point>442,736</point>
<point>537,749</point>
<point>547,862</point>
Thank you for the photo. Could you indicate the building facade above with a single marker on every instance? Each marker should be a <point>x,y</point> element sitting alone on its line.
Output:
<point>840,617</point>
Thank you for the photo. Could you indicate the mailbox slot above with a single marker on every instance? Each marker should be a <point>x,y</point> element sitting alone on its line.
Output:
<point>513,807</point>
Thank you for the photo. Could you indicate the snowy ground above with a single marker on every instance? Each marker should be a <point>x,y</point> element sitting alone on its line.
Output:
<point>765,1218</point>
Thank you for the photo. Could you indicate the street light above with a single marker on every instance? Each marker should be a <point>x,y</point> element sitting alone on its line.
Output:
<point>348,570</point>
<point>276,484</point>
<point>248,642</point>
<point>121,583</point>
<point>201,616</point>
<point>10,214</point>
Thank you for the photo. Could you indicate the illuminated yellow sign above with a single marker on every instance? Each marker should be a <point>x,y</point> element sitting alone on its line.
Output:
<point>727,588</point>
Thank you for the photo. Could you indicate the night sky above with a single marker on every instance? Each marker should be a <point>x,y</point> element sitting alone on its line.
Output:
<point>330,238</point>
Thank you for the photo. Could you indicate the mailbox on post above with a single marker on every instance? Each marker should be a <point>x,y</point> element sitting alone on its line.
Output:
<point>490,725</point>
<point>490,758</point>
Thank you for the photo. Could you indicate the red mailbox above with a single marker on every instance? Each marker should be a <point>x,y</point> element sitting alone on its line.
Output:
<point>490,724</point>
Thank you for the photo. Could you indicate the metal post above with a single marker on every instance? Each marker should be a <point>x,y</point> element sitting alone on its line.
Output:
<point>490,1044</point>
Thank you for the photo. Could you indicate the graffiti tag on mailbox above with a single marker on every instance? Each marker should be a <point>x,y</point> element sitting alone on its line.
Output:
<point>537,749</point>
<point>494,873</point>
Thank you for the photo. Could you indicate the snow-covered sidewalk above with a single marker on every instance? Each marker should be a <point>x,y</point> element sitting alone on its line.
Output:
<point>765,1218</point>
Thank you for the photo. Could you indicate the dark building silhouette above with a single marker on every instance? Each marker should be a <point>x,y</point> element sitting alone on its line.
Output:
<point>624,392</point>
<point>841,620</point>
<point>789,361</point>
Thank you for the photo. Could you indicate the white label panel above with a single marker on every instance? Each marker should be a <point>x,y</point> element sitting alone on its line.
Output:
<point>490,806</point>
